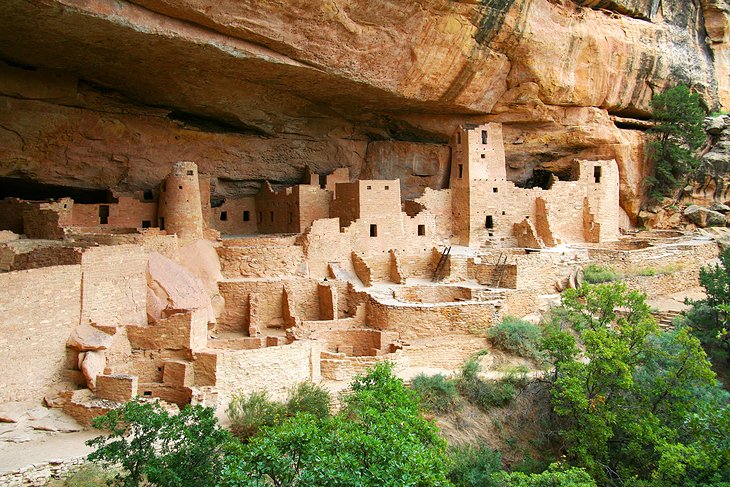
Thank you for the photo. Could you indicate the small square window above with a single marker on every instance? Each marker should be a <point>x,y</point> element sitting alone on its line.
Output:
<point>483,156</point>
<point>495,190</point>
<point>180,187</point>
<point>148,195</point>
<point>373,230</point>
<point>504,212</point>
<point>146,223</point>
<point>370,187</point>
<point>421,230</point>
<point>387,188</point>
<point>246,216</point>
<point>190,172</point>
<point>224,216</point>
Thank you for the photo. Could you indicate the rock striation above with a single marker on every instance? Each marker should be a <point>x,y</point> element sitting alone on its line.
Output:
<point>105,94</point>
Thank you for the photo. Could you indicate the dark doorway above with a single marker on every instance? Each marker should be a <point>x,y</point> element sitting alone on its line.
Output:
<point>103,214</point>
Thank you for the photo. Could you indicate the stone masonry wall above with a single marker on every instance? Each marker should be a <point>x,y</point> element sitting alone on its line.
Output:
<point>114,290</point>
<point>273,369</point>
<point>38,310</point>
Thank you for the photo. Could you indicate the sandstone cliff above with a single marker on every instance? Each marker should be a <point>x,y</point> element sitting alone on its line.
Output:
<point>105,94</point>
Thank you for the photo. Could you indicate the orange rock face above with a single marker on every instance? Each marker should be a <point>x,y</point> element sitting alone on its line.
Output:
<point>106,94</point>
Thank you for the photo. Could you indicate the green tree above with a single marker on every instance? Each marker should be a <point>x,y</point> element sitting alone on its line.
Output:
<point>634,403</point>
<point>713,327</point>
<point>678,133</point>
<point>164,449</point>
<point>378,438</point>
<point>572,477</point>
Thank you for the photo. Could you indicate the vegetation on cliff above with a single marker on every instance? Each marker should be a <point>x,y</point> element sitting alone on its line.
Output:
<point>678,133</point>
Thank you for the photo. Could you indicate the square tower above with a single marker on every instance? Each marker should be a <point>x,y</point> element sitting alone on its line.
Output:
<point>477,167</point>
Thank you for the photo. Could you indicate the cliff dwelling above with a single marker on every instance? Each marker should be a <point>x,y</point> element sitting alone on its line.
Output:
<point>162,294</point>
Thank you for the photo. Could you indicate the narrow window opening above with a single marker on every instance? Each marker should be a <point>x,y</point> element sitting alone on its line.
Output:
<point>246,215</point>
<point>162,223</point>
<point>421,230</point>
<point>484,137</point>
<point>190,172</point>
<point>271,216</point>
<point>495,190</point>
<point>147,393</point>
<point>164,186</point>
<point>148,195</point>
<point>458,137</point>
<point>261,217</point>
<point>224,216</point>
<point>291,217</point>
<point>597,174</point>
<point>490,222</point>
<point>373,230</point>
<point>103,214</point>
<point>370,187</point>
<point>461,171</point>
<point>322,180</point>
<point>146,223</point>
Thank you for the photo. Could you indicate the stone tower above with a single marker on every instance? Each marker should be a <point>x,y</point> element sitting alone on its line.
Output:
<point>477,167</point>
<point>179,208</point>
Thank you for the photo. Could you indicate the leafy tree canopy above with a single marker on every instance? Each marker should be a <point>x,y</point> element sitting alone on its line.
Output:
<point>635,404</point>
<point>379,438</point>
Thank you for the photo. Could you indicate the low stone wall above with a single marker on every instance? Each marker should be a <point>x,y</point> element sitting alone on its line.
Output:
<point>432,294</point>
<point>427,320</point>
<point>39,474</point>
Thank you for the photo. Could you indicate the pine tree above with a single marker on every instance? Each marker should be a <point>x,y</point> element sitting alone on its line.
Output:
<point>678,133</point>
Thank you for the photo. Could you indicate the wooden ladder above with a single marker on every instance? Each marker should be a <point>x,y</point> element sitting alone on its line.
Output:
<point>501,267</point>
<point>438,273</point>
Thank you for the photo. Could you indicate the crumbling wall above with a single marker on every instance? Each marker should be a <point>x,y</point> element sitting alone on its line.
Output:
<point>273,369</point>
<point>38,310</point>
<point>114,290</point>
<point>262,257</point>
<point>429,320</point>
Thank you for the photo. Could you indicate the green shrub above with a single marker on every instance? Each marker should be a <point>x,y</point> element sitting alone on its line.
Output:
<point>516,336</point>
<point>483,393</point>
<point>437,393</point>
<point>595,274</point>
<point>474,466</point>
<point>309,398</point>
<point>249,413</point>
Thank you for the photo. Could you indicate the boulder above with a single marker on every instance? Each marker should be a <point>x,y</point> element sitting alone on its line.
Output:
<point>86,337</point>
<point>704,217</point>
<point>93,365</point>
<point>715,125</point>
<point>173,288</point>
<point>719,207</point>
